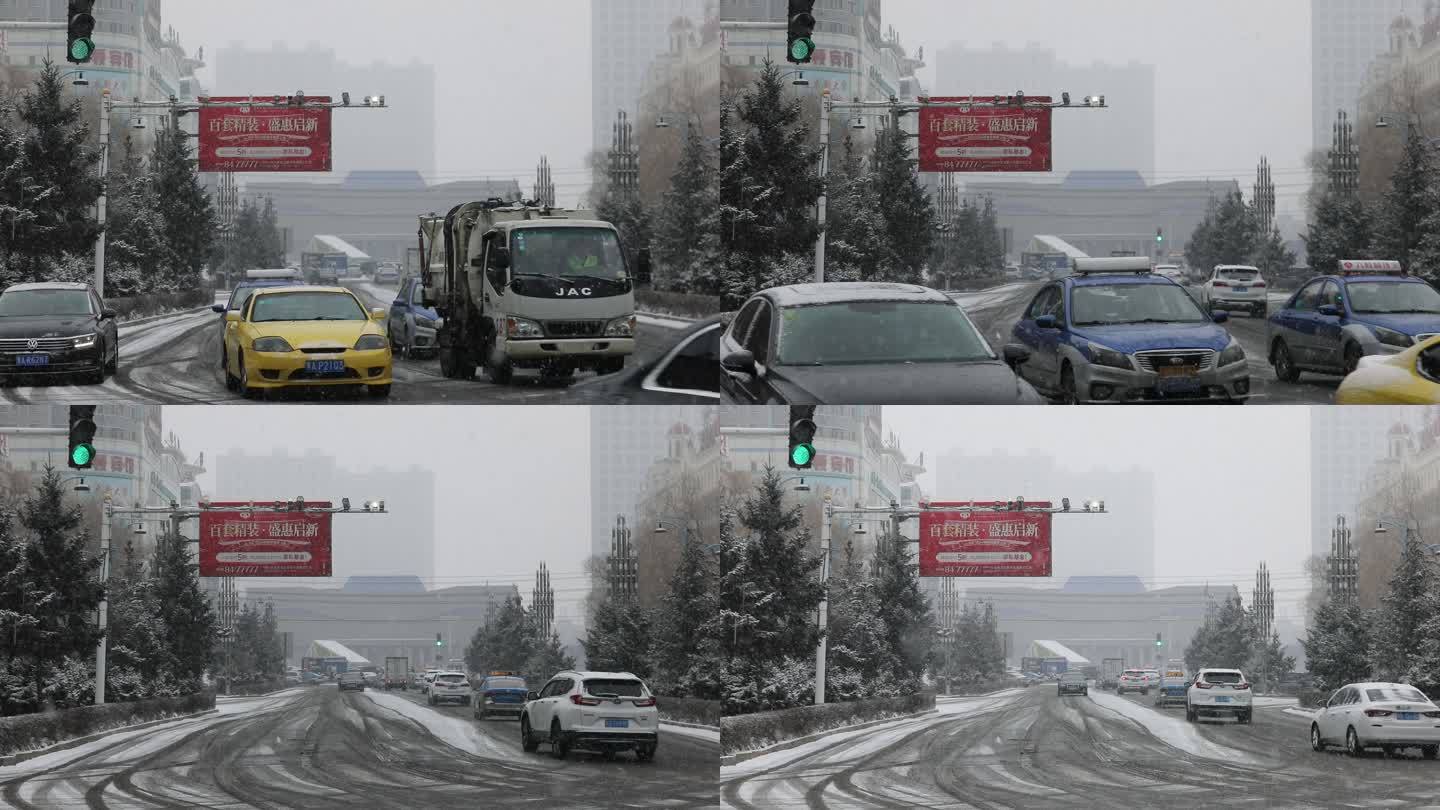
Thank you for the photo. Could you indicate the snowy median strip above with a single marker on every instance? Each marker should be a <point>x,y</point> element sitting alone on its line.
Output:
<point>1173,731</point>
<point>453,731</point>
<point>664,321</point>
<point>706,733</point>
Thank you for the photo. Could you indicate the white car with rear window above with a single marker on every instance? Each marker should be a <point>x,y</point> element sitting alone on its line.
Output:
<point>1133,680</point>
<point>1219,693</point>
<point>1389,716</point>
<point>594,711</point>
<point>1235,286</point>
<point>449,687</point>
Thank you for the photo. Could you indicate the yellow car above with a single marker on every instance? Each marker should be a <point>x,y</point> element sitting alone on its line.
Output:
<point>305,336</point>
<point>1411,377</point>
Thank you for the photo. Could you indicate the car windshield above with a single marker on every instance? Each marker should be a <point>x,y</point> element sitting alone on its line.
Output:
<point>1238,275</point>
<point>1111,304</point>
<point>585,253</point>
<point>28,303</point>
<point>876,332</point>
<point>450,679</point>
<point>1132,673</point>
<point>1224,677</point>
<point>1400,693</point>
<point>1393,297</point>
<point>352,676</point>
<point>307,306</point>
<point>617,687</point>
<point>505,683</point>
<point>1072,676</point>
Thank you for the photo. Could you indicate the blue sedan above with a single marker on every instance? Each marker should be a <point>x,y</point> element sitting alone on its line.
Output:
<point>1114,332</point>
<point>1369,307</point>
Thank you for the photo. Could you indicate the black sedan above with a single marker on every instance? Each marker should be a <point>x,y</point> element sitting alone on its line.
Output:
<point>54,329</point>
<point>864,343</point>
<point>352,680</point>
<point>686,373</point>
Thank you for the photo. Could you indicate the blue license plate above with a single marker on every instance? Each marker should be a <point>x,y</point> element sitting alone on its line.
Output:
<point>1407,715</point>
<point>611,722</point>
<point>325,366</point>
<point>1241,289</point>
<point>32,360</point>
<point>1179,385</point>
<point>1222,700</point>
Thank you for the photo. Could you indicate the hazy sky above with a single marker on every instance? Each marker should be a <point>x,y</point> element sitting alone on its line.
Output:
<point>1232,486</point>
<point>512,482</point>
<point>1232,77</point>
<point>512,79</point>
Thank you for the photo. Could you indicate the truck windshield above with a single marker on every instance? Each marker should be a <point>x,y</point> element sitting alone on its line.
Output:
<point>580,253</point>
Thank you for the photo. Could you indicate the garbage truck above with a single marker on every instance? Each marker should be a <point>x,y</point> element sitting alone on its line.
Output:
<point>519,286</point>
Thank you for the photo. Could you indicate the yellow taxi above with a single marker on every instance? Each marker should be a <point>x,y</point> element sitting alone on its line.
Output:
<point>1411,377</point>
<point>304,336</point>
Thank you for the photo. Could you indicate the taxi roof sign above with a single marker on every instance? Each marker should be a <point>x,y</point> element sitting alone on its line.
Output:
<point>1117,264</point>
<point>1370,267</point>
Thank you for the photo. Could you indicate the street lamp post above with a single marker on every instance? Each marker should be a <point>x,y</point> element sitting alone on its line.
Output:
<point>1382,521</point>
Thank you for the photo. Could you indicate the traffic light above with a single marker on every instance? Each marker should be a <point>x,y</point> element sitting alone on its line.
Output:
<point>1158,643</point>
<point>799,46</point>
<point>802,436</point>
<point>1159,235</point>
<point>79,47</point>
<point>438,642</point>
<point>82,436</point>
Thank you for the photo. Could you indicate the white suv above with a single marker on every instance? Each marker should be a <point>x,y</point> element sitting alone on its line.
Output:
<point>1219,692</point>
<point>1133,680</point>
<point>1378,715</point>
<point>449,686</point>
<point>598,711</point>
<point>1235,286</point>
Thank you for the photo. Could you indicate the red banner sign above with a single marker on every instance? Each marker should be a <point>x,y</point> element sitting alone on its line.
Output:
<point>985,139</point>
<point>265,139</point>
<point>973,540</point>
<point>264,543</point>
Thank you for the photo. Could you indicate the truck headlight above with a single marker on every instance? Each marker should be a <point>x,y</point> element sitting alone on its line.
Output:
<point>621,327</point>
<point>1104,356</point>
<point>522,328</point>
<point>271,345</point>
<point>1390,337</point>
<point>1234,353</point>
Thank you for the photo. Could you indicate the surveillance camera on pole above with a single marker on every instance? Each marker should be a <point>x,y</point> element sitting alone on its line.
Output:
<point>799,46</point>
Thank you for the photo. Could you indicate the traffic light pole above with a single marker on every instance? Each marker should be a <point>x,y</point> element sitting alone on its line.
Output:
<point>178,515</point>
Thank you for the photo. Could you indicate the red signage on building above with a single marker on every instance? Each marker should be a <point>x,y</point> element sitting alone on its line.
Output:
<point>972,540</point>
<point>265,138</point>
<point>264,543</point>
<point>985,139</point>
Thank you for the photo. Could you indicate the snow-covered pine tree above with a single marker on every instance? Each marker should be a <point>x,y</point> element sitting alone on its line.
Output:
<point>686,657</point>
<point>1340,228</point>
<point>184,207</point>
<point>184,611</point>
<point>1337,645</point>
<point>687,238</point>
<point>619,638</point>
<point>859,662</point>
<point>909,626</point>
<point>59,170</point>
<point>780,564</point>
<point>1403,612</point>
<point>1407,206</point>
<point>905,209</point>
<point>138,253</point>
<point>1224,639</point>
<point>1271,255</point>
<point>504,641</point>
<point>1229,234</point>
<point>547,657</point>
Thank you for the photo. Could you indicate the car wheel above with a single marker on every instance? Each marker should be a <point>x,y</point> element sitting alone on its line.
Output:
<point>528,743</point>
<point>379,391</point>
<point>1352,743</point>
<point>559,746</point>
<point>646,753</point>
<point>1430,751</point>
<point>1316,743</point>
<point>1352,358</point>
<point>1284,365</point>
<point>1189,714</point>
<point>243,385</point>
<point>1068,394</point>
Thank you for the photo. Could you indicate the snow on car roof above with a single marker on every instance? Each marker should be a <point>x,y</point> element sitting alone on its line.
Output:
<point>839,292</point>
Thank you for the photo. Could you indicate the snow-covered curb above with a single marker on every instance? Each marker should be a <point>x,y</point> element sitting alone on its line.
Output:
<point>1172,731</point>
<point>452,731</point>
<point>163,316</point>
<point>1298,712</point>
<point>735,759</point>
<point>23,756</point>
<point>699,732</point>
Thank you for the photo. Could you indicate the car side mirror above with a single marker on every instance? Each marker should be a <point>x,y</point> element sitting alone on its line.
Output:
<point>1015,355</point>
<point>1329,309</point>
<point>741,362</point>
<point>378,314</point>
<point>643,271</point>
<point>532,695</point>
<point>220,308</point>
<point>1220,316</point>
<point>233,316</point>
<point>107,314</point>
<point>1047,322</point>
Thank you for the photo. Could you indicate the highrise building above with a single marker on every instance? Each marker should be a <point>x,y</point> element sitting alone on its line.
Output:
<point>1122,138</point>
<point>1121,541</point>
<point>1344,445</point>
<point>401,138</point>
<point>1345,36</point>
<point>625,36</point>
<point>624,444</point>
<point>398,545</point>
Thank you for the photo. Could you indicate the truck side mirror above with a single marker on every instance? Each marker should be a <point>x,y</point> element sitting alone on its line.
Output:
<point>502,258</point>
<point>643,273</point>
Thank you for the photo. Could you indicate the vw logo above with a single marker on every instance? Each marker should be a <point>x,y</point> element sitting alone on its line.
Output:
<point>33,344</point>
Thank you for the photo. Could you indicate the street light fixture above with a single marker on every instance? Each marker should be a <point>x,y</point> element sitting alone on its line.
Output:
<point>82,486</point>
<point>802,486</point>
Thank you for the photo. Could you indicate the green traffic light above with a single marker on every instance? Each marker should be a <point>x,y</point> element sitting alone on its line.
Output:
<point>81,50</point>
<point>802,454</point>
<point>801,49</point>
<point>82,455</point>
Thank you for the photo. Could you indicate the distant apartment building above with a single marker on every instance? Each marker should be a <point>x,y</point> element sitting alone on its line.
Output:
<point>1345,444</point>
<point>396,545</point>
<point>1401,494</point>
<point>1123,540</point>
<point>1121,139</point>
<point>1345,36</point>
<point>625,37</point>
<point>625,443</point>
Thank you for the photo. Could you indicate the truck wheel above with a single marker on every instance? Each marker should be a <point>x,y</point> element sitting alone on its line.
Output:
<point>503,373</point>
<point>610,366</point>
